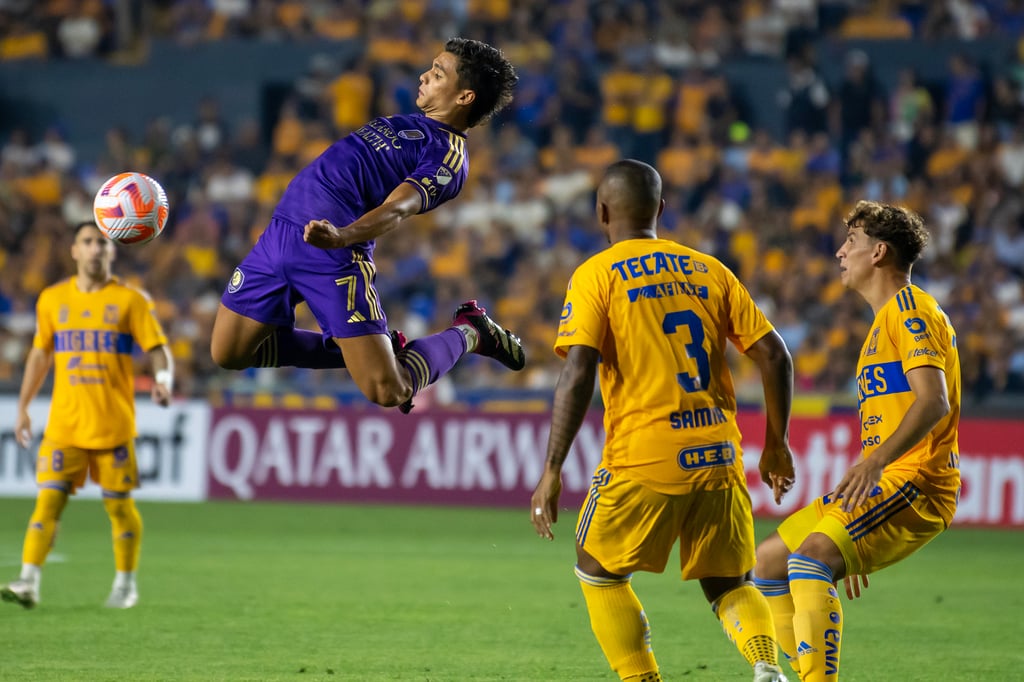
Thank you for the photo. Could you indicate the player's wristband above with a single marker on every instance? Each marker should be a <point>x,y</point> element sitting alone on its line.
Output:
<point>164,376</point>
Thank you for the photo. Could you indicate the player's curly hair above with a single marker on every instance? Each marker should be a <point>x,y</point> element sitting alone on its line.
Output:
<point>899,227</point>
<point>484,70</point>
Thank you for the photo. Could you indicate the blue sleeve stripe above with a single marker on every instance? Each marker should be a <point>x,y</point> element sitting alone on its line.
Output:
<point>905,300</point>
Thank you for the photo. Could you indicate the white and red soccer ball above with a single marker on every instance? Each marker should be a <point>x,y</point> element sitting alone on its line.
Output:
<point>130,208</point>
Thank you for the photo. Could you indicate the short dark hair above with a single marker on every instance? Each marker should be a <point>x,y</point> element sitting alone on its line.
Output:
<point>85,223</point>
<point>635,187</point>
<point>484,70</point>
<point>899,227</point>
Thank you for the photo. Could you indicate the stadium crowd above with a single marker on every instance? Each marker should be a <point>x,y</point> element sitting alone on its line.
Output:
<point>598,81</point>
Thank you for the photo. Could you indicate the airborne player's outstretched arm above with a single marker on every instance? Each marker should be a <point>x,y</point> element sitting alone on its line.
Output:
<point>403,202</point>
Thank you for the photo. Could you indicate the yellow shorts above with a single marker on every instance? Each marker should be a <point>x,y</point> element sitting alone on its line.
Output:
<point>114,469</point>
<point>896,521</point>
<point>628,527</point>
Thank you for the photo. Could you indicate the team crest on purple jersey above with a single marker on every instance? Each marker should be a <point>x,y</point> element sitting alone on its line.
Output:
<point>237,278</point>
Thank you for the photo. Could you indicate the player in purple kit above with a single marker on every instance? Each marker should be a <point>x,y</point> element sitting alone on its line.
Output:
<point>319,244</point>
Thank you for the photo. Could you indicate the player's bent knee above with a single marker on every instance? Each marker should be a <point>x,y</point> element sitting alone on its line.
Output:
<point>381,385</point>
<point>225,358</point>
<point>118,505</point>
<point>600,578</point>
<point>590,566</point>
<point>387,394</point>
<point>772,556</point>
<point>50,502</point>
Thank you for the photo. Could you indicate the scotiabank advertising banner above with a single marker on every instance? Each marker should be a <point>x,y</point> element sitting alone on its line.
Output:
<point>495,459</point>
<point>991,465</point>
<point>170,449</point>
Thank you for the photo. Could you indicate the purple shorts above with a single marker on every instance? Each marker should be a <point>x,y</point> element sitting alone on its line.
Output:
<point>282,270</point>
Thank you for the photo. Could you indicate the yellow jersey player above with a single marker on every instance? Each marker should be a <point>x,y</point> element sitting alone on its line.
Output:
<point>87,326</point>
<point>904,489</point>
<point>651,318</point>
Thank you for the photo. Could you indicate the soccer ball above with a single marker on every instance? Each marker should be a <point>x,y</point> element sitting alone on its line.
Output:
<point>130,208</point>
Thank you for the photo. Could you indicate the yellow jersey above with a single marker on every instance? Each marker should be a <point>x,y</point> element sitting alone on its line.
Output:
<point>91,336</point>
<point>660,314</point>
<point>911,331</point>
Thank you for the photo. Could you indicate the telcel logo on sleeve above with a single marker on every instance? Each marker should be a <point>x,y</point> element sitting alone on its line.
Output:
<point>704,456</point>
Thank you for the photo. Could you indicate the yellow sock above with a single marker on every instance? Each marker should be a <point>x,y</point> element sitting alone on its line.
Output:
<point>818,618</point>
<point>620,626</point>
<point>42,527</point>
<point>126,525</point>
<point>780,601</point>
<point>747,622</point>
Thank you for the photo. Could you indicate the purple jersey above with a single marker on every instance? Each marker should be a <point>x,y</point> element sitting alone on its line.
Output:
<point>358,172</point>
<point>353,176</point>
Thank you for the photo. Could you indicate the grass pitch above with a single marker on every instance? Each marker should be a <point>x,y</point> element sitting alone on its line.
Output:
<point>243,591</point>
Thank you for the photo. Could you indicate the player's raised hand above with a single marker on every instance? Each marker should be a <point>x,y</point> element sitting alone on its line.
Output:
<point>23,429</point>
<point>776,467</point>
<point>322,234</point>
<point>544,503</point>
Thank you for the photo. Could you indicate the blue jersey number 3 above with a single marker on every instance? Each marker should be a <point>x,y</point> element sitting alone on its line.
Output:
<point>694,349</point>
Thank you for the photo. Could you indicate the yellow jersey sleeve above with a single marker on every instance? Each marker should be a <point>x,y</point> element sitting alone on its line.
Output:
<point>584,318</point>
<point>144,325</point>
<point>922,334</point>
<point>46,317</point>
<point>747,323</point>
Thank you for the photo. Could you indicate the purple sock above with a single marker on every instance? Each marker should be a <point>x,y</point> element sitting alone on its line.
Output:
<point>431,357</point>
<point>290,347</point>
